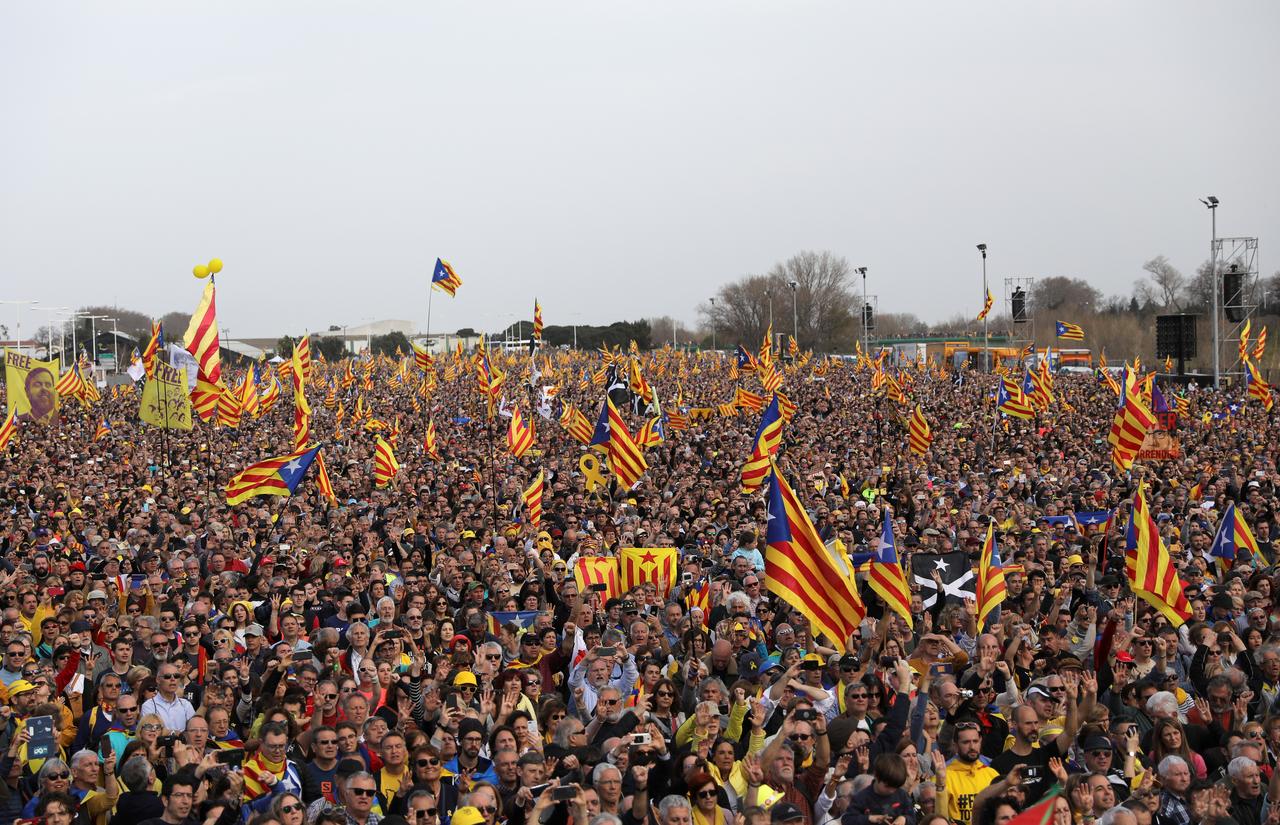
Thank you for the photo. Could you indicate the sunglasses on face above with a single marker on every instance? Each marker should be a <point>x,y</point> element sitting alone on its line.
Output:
<point>289,809</point>
<point>54,777</point>
<point>708,793</point>
<point>363,791</point>
<point>427,763</point>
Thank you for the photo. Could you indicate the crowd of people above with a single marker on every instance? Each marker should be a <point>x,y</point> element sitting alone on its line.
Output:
<point>421,653</point>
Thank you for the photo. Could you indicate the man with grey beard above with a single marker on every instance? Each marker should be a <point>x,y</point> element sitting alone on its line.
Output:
<point>610,720</point>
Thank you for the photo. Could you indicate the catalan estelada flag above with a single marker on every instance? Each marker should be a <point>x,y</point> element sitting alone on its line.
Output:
<point>1258,387</point>
<point>799,571</point>
<point>104,429</point>
<point>986,306</point>
<point>1234,537</point>
<point>519,434</point>
<point>990,591</point>
<point>596,570</point>
<point>626,458</point>
<point>763,448</point>
<point>885,575</point>
<point>277,476</point>
<point>649,565</point>
<point>445,278</point>
<point>1012,401</point>
<point>385,465</point>
<point>1150,570</point>
<point>919,436</point>
<point>1069,331</point>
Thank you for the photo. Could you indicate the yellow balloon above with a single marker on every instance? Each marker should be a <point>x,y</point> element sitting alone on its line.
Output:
<point>215,266</point>
<point>200,271</point>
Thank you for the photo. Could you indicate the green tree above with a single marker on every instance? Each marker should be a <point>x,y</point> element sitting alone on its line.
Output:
<point>389,343</point>
<point>284,346</point>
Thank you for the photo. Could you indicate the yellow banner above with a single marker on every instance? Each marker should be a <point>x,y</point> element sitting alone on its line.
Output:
<point>165,402</point>
<point>32,387</point>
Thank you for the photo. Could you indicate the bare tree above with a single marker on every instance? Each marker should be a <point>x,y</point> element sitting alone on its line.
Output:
<point>1060,292</point>
<point>1168,283</point>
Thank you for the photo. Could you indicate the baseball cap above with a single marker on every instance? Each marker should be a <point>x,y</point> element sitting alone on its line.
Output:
<point>468,815</point>
<point>19,687</point>
<point>781,812</point>
<point>1097,743</point>
<point>464,677</point>
<point>97,594</point>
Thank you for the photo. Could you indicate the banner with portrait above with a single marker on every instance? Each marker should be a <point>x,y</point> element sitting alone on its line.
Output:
<point>165,402</point>
<point>31,385</point>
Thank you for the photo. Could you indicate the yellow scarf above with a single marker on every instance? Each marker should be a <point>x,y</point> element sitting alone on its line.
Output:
<point>699,819</point>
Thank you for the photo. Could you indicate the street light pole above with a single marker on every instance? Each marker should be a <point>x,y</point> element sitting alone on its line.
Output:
<point>795,314</point>
<point>713,324</point>
<point>986,341</point>
<point>115,345</point>
<point>1211,203</point>
<point>53,311</point>
<point>866,333</point>
<point>17,334</point>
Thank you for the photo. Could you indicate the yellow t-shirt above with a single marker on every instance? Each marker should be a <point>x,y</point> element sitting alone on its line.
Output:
<point>964,782</point>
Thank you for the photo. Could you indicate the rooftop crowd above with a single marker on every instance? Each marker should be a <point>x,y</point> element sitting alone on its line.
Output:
<point>288,661</point>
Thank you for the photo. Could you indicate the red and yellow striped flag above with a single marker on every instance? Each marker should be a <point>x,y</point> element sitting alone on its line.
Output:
<point>429,445</point>
<point>626,459</point>
<point>201,340</point>
<point>322,479</point>
<point>1130,426</point>
<point>533,500</point>
<point>799,570</point>
<point>519,434</point>
<point>537,320</point>
<point>385,465</point>
<point>9,428</point>
<point>1261,346</point>
<point>991,589</point>
<point>576,424</point>
<point>230,409</point>
<point>919,436</point>
<point>1150,570</point>
<point>986,306</point>
<point>152,351</point>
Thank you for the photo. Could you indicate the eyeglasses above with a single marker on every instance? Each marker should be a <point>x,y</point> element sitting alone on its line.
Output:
<point>665,694</point>
<point>326,742</point>
<point>857,696</point>
<point>966,726</point>
<point>468,688</point>
<point>708,793</point>
<point>289,809</point>
<point>363,791</point>
<point>486,809</point>
<point>429,762</point>
<point>610,701</point>
<point>54,777</point>
<point>424,813</point>
<point>151,726</point>
<point>167,676</point>
<point>1100,752</point>
<point>133,709</point>
<point>802,737</point>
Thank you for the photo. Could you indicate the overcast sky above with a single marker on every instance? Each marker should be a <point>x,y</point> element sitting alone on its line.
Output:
<point>617,160</point>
